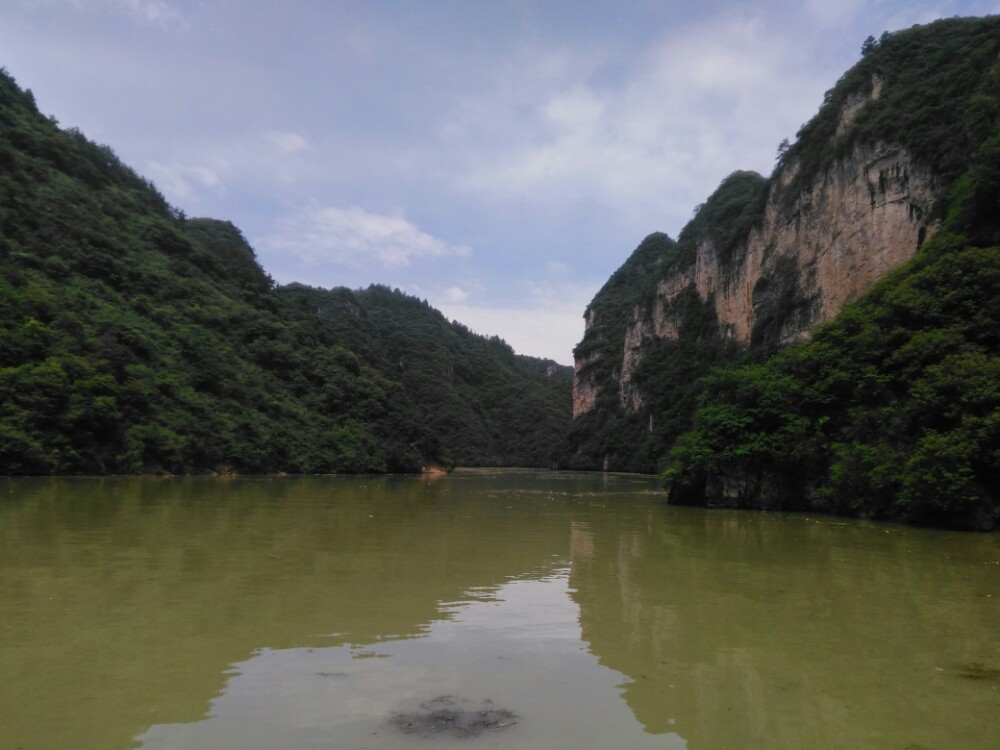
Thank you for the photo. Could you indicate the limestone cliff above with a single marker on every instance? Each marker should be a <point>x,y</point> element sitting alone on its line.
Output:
<point>765,260</point>
<point>862,217</point>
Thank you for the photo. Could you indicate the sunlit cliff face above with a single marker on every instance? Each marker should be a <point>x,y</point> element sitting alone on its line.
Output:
<point>813,252</point>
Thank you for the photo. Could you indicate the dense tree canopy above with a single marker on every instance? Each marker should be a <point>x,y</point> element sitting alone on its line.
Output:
<point>134,339</point>
<point>892,409</point>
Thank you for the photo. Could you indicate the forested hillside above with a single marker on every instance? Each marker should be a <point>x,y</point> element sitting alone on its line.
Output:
<point>890,411</point>
<point>134,339</point>
<point>755,374</point>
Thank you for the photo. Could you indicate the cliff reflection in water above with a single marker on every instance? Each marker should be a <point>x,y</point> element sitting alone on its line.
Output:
<point>744,629</point>
<point>187,612</point>
<point>126,601</point>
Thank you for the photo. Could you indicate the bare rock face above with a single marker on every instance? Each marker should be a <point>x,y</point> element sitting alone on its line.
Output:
<point>584,389</point>
<point>814,250</point>
<point>636,336</point>
<point>862,218</point>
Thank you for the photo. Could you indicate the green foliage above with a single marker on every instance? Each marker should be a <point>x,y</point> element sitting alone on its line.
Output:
<point>777,300</point>
<point>634,283</point>
<point>669,371</point>
<point>133,339</point>
<point>727,217</point>
<point>974,205</point>
<point>891,411</point>
<point>939,96</point>
<point>669,377</point>
<point>481,404</point>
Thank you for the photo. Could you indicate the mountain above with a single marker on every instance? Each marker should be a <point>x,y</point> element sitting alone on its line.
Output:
<point>134,339</point>
<point>825,338</point>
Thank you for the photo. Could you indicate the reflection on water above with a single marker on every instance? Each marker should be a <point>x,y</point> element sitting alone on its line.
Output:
<point>762,630</point>
<point>519,652</point>
<point>304,612</point>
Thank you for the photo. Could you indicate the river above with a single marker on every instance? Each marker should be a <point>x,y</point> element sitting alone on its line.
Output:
<point>487,608</point>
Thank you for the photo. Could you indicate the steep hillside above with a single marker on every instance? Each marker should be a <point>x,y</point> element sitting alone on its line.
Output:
<point>487,405</point>
<point>903,148</point>
<point>134,339</point>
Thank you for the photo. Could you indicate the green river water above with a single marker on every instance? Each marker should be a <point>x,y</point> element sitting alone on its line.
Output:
<point>570,610</point>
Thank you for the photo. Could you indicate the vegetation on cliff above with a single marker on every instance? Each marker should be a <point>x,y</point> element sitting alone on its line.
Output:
<point>892,409</point>
<point>134,339</point>
<point>937,96</point>
<point>607,435</point>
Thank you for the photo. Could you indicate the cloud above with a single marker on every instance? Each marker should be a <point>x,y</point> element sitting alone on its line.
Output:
<point>455,294</point>
<point>157,12</point>
<point>182,183</point>
<point>355,238</point>
<point>536,331</point>
<point>544,320</point>
<point>836,13</point>
<point>287,143</point>
<point>153,11</point>
<point>903,15</point>
<point>214,168</point>
<point>642,135</point>
<point>541,316</point>
<point>557,269</point>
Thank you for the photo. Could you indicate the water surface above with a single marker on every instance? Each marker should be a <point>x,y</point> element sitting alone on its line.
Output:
<point>308,612</point>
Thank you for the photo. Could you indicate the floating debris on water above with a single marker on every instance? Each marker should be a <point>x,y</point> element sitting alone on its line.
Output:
<point>447,715</point>
<point>976,671</point>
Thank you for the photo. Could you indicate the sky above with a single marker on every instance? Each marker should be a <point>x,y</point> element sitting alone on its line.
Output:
<point>498,158</point>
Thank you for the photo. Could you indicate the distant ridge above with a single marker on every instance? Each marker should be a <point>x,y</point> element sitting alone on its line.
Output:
<point>134,339</point>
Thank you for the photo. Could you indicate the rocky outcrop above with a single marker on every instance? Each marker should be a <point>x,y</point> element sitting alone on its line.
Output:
<point>863,217</point>
<point>813,251</point>
<point>584,389</point>
<point>903,144</point>
<point>636,335</point>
